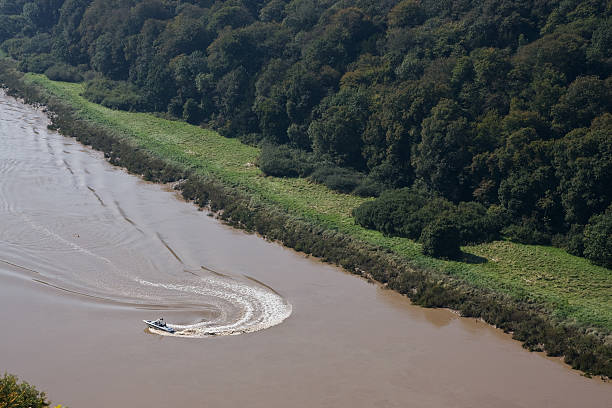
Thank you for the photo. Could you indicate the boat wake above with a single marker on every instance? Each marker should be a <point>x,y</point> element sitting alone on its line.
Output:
<point>253,308</point>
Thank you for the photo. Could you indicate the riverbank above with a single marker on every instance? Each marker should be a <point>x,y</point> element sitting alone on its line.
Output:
<point>548,299</point>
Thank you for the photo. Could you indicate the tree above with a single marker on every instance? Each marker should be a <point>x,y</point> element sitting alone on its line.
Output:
<point>407,13</point>
<point>583,166</point>
<point>230,16</point>
<point>270,102</point>
<point>338,129</point>
<point>274,10</point>
<point>192,112</point>
<point>15,394</point>
<point>442,155</point>
<point>585,99</point>
<point>302,14</point>
<point>598,239</point>
<point>66,43</point>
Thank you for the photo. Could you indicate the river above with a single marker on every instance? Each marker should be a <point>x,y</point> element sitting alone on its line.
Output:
<point>88,251</point>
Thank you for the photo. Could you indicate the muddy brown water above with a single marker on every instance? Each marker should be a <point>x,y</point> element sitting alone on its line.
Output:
<point>88,251</point>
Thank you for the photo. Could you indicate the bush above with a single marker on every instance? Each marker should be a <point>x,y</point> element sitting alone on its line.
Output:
<point>441,239</point>
<point>476,224</point>
<point>15,394</point>
<point>64,73</point>
<point>283,161</point>
<point>369,188</point>
<point>404,212</point>
<point>574,240</point>
<point>192,112</point>
<point>598,239</point>
<point>337,178</point>
<point>277,161</point>
<point>526,233</point>
<point>407,211</point>
<point>37,63</point>
<point>117,95</point>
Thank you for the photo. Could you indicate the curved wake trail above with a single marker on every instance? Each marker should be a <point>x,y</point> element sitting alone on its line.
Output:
<point>258,308</point>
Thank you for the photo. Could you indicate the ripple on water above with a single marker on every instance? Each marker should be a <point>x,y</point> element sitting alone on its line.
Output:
<point>61,226</point>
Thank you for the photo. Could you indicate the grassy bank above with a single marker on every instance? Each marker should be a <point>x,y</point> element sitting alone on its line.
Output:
<point>517,287</point>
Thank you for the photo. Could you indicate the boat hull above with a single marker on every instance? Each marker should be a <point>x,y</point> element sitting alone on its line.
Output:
<point>152,325</point>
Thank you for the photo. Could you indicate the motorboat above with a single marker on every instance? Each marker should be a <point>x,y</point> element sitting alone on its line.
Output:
<point>159,324</point>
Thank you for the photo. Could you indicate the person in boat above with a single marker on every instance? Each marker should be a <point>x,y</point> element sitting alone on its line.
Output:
<point>161,322</point>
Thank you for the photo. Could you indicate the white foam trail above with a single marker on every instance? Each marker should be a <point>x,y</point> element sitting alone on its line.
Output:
<point>260,308</point>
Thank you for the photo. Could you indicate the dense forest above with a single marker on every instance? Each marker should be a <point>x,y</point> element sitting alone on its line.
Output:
<point>470,120</point>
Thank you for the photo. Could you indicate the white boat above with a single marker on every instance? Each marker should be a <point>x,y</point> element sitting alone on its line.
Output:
<point>159,324</point>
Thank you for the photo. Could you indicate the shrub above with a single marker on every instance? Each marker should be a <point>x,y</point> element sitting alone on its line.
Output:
<point>37,63</point>
<point>476,224</point>
<point>598,239</point>
<point>15,394</point>
<point>63,72</point>
<point>369,188</point>
<point>337,178</point>
<point>404,212</point>
<point>526,233</point>
<point>574,240</point>
<point>407,211</point>
<point>117,95</point>
<point>192,112</point>
<point>441,239</point>
<point>284,161</point>
<point>277,161</point>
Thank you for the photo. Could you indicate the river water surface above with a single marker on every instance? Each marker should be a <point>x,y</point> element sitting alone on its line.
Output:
<point>88,251</point>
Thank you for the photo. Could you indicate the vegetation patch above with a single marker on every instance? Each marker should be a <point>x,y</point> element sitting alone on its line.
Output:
<point>20,394</point>
<point>113,94</point>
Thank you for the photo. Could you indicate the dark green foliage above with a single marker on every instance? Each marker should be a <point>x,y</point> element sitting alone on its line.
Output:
<point>574,241</point>
<point>407,13</point>
<point>337,178</point>
<point>442,154</point>
<point>278,161</point>
<point>369,187</point>
<point>37,63</point>
<point>64,73</point>
<point>475,223</point>
<point>20,394</point>
<point>283,161</point>
<point>584,168</point>
<point>441,239</point>
<point>192,112</point>
<point>115,94</point>
<point>403,212</point>
<point>337,132</point>
<point>527,232</point>
<point>598,239</point>
<point>23,47</point>
<point>408,211</point>
<point>586,98</point>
